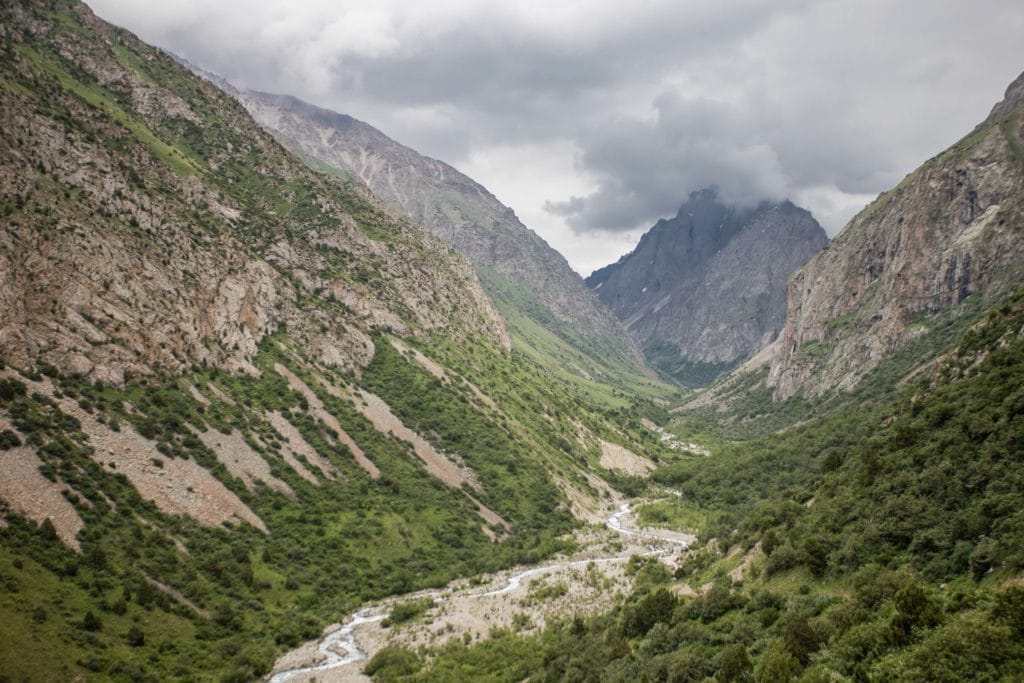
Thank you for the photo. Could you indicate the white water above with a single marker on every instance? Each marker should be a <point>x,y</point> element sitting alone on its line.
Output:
<point>340,646</point>
<point>655,535</point>
<point>333,645</point>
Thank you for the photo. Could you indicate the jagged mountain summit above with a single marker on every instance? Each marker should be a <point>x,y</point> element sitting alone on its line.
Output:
<point>522,273</point>
<point>939,247</point>
<point>705,290</point>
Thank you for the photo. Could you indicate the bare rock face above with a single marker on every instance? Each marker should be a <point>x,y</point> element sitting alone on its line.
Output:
<point>516,266</point>
<point>706,290</point>
<point>149,224</point>
<point>952,229</point>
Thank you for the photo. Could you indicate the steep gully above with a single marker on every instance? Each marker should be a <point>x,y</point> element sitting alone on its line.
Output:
<point>341,647</point>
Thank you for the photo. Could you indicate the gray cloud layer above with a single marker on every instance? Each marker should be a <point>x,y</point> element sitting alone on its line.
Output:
<point>824,102</point>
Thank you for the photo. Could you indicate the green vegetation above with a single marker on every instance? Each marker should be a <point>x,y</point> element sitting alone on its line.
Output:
<point>407,610</point>
<point>514,483</point>
<point>597,371</point>
<point>672,513</point>
<point>1008,128</point>
<point>881,542</point>
<point>542,591</point>
<point>248,595</point>
<point>667,360</point>
<point>813,350</point>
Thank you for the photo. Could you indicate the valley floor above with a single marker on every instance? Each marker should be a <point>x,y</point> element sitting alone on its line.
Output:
<point>590,581</point>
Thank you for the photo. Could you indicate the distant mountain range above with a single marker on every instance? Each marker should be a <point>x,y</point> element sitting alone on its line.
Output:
<point>704,291</point>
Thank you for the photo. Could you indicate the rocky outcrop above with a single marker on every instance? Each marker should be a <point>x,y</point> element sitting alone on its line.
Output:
<point>706,290</point>
<point>150,225</point>
<point>952,230</point>
<point>516,266</point>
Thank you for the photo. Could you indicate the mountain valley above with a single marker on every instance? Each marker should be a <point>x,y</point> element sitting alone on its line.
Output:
<point>282,399</point>
<point>218,361</point>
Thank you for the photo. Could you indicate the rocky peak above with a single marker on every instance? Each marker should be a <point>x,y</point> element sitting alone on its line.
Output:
<point>706,289</point>
<point>1011,102</point>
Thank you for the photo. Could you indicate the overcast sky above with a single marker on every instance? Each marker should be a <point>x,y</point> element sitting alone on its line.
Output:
<point>594,119</point>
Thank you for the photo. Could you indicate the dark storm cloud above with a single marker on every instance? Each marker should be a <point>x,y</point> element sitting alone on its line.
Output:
<point>824,102</point>
<point>748,149</point>
<point>646,168</point>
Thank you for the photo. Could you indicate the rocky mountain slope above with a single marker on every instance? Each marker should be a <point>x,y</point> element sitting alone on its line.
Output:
<point>706,290</point>
<point>146,230</point>
<point>943,244</point>
<point>239,396</point>
<point>516,267</point>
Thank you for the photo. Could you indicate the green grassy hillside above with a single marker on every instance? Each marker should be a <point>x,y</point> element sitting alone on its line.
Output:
<point>234,597</point>
<point>881,543</point>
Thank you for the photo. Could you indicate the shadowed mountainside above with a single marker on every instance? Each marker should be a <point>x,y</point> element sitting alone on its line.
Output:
<point>704,291</point>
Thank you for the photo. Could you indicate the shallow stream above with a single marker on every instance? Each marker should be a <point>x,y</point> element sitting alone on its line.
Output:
<point>340,647</point>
